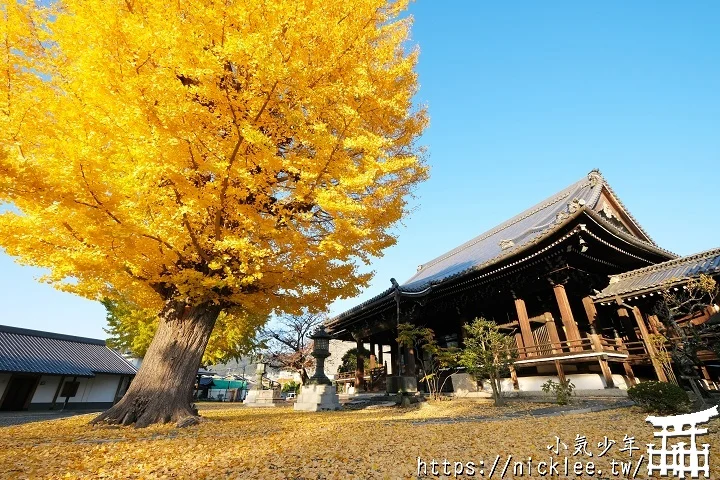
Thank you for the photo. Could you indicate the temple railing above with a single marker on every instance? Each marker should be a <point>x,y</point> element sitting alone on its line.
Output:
<point>374,377</point>
<point>637,352</point>
<point>549,349</point>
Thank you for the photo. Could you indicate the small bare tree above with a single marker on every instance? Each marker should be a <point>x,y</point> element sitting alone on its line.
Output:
<point>288,342</point>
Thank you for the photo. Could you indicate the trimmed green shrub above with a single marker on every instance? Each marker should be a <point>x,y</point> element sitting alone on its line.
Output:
<point>660,397</point>
<point>562,391</point>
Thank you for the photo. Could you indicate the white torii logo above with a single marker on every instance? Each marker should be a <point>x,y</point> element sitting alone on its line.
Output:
<point>678,460</point>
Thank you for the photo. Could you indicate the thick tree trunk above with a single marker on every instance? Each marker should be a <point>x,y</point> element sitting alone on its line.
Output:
<point>162,389</point>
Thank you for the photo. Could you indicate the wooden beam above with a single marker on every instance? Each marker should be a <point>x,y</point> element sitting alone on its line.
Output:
<point>626,364</point>
<point>571,328</point>
<point>590,310</point>
<point>708,379</point>
<point>525,329</point>
<point>560,371</point>
<point>648,345</point>
<point>607,373</point>
<point>513,324</point>
<point>655,324</point>
<point>520,345</point>
<point>514,377</point>
<point>57,392</point>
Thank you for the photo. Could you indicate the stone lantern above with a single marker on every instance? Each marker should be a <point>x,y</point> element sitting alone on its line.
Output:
<point>319,393</point>
<point>321,351</point>
<point>258,397</point>
<point>259,372</point>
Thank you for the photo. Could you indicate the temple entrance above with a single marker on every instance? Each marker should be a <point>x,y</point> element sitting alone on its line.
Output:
<point>19,392</point>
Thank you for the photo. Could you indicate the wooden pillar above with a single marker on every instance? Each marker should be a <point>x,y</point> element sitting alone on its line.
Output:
<point>648,345</point>
<point>607,373</point>
<point>591,311</point>
<point>571,328</point>
<point>560,371</point>
<point>552,333</point>
<point>67,399</point>
<point>409,362</point>
<point>360,368</point>
<point>626,364</point>
<point>708,379</point>
<point>513,375</point>
<point>381,359</point>
<point>602,360</point>
<point>57,392</point>
<point>597,346</point>
<point>655,324</point>
<point>520,345</point>
<point>373,361</point>
<point>395,358</point>
<point>524,320</point>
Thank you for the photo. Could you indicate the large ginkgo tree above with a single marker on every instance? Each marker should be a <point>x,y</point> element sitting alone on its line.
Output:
<point>202,157</point>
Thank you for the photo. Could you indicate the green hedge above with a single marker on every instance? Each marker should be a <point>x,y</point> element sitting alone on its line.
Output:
<point>660,397</point>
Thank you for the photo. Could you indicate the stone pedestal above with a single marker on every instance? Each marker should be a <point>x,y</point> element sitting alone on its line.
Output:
<point>263,398</point>
<point>405,384</point>
<point>314,398</point>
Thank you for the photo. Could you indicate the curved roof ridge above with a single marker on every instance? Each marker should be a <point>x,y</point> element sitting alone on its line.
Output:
<point>629,236</point>
<point>588,180</point>
<point>675,261</point>
<point>627,212</point>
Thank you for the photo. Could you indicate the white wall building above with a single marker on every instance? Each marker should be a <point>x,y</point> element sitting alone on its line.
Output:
<point>43,370</point>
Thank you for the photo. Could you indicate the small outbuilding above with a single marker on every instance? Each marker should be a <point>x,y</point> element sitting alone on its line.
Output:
<point>46,371</point>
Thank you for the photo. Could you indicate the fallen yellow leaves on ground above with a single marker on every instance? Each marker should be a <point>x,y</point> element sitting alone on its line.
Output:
<point>248,443</point>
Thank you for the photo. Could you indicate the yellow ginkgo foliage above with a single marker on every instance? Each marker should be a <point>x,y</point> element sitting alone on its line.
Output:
<point>203,156</point>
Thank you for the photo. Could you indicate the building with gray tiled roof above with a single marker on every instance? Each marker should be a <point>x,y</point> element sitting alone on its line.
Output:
<point>538,275</point>
<point>674,272</point>
<point>44,370</point>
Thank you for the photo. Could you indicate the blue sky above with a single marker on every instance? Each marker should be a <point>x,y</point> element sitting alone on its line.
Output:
<point>524,99</point>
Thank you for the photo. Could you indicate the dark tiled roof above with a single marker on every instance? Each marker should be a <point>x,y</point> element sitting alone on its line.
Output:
<point>650,278</point>
<point>32,351</point>
<point>516,235</point>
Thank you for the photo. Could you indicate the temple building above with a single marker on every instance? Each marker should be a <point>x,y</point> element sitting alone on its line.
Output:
<point>572,278</point>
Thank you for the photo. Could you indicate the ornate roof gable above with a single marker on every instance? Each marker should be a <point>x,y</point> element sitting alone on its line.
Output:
<point>591,192</point>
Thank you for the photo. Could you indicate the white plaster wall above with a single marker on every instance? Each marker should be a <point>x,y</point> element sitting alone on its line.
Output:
<point>101,388</point>
<point>4,380</point>
<point>582,381</point>
<point>78,398</point>
<point>620,382</point>
<point>338,348</point>
<point>46,389</point>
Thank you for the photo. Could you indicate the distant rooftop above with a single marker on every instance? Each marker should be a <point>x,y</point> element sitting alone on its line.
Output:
<point>650,278</point>
<point>34,351</point>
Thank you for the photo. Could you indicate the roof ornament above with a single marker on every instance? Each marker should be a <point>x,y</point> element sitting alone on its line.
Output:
<point>595,177</point>
<point>607,211</point>
<point>505,244</point>
<point>575,205</point>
